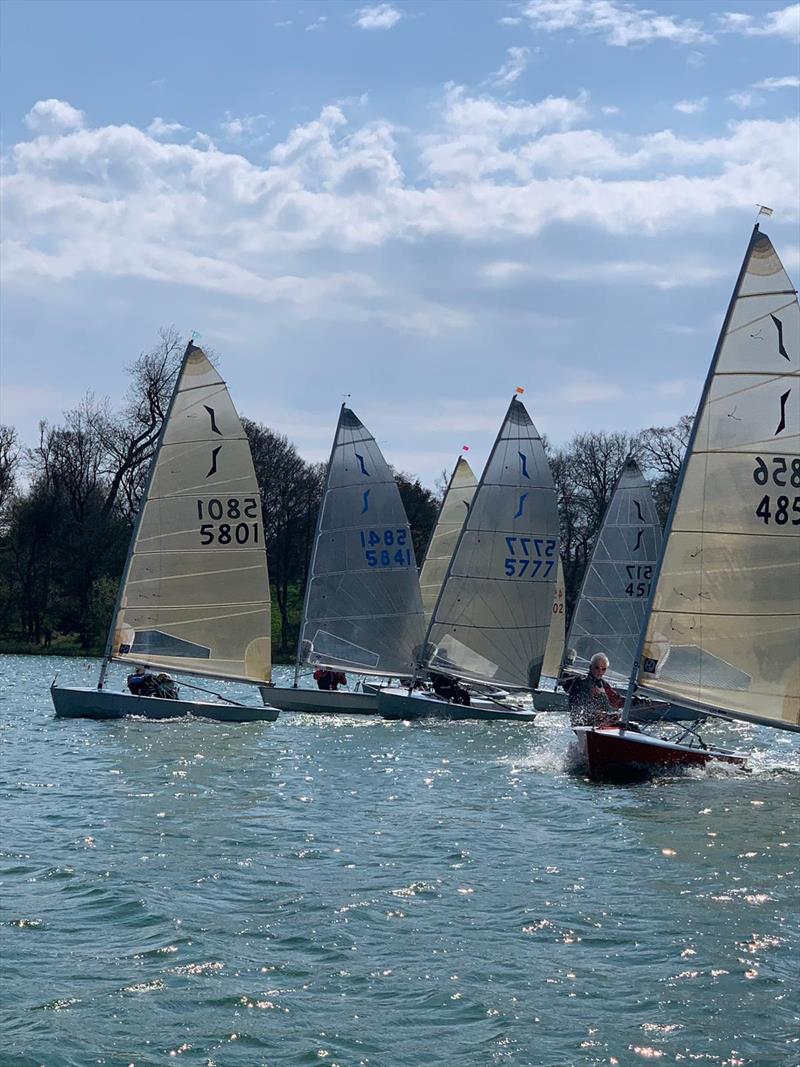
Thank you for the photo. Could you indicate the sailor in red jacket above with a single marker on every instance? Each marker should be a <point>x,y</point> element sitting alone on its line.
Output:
<point>592,700</point>
<point>328,679</point>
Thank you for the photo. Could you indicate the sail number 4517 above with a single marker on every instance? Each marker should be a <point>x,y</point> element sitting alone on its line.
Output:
<point>530,557</point>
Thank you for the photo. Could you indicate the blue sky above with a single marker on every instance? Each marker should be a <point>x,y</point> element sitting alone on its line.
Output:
<point>422,205</point>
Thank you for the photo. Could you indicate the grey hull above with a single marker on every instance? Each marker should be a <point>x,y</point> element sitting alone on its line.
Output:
<point>398,704</point>
<point>92,703</point>
<point>549,700</point>
<point>320,701</point>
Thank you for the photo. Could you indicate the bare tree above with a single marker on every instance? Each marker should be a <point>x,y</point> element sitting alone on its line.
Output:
<point>9,462</point>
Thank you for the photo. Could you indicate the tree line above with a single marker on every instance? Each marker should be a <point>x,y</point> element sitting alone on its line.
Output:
<point>67,506</point>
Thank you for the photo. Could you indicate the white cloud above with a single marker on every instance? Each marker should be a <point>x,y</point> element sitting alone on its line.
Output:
<point>53,116</point>
<point>116,201</point>
<point>620,24</point>
<point>659,275</point>
<point>785,22</point>
<point>510,20</point>
<point>377,17</point>
<point>745,100</point>
<point>790,82</point>
<point>516,62</point>
<point>692,107</point>
<point>244,125</point>
<point>160,128</point>
<point>318,24</point>
<point>610,109</point>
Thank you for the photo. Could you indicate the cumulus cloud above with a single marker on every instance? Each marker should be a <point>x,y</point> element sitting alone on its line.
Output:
<point>692,107</point>
<point>377,17</point>
<point>160,128</point>
<point>784,22</point>
<point>117,201</point>
<point>619,24</point>
<point>53,116</point>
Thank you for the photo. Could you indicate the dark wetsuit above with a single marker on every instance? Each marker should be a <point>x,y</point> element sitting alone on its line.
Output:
<point>449,689</point>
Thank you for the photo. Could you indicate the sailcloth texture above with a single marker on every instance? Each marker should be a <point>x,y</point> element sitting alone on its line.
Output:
<point>454,509</point>
<point>195,593</point>
<point>724,631</point>
<point>612,604</point>
<point>554,651</point>
<point>492,618</point>
<point>363,607</point>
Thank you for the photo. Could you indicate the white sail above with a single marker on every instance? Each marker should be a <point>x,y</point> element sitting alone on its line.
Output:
<point>612,604</point>
<point>363,609</point>
<point>554,651</point>
<point>452,513</point>
<point>492,618</point>
<point>724,631</point>
<point>195,594</point>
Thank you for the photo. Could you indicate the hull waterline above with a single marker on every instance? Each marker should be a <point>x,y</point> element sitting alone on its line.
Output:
<point>400,704</point>
<point>614,754</point>
<point>92,703</point>
<point>320,701</point>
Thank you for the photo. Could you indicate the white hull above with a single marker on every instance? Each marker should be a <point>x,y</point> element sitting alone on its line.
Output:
<point>92,703</point>
<point>398,703</point>
<point>320,701</point>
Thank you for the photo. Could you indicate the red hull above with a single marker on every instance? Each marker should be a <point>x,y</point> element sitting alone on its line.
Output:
<point>613,753</point>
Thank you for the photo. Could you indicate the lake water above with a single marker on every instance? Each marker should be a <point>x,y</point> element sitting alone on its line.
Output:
<point>353,892</point>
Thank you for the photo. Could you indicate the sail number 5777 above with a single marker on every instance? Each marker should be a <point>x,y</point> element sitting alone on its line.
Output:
<point>530,557</point>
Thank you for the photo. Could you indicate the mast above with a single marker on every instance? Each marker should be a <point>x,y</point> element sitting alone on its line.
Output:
<point>682,474</point>
<point>138,520</point>
<point>298,656</point>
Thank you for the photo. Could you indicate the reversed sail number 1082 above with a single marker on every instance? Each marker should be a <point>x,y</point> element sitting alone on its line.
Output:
<point>782,472</point>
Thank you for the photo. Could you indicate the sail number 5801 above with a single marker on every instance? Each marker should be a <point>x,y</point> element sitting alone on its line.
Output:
<point>228,533</point>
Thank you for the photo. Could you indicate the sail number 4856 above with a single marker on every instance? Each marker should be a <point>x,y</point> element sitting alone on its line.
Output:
<point>781,471</point>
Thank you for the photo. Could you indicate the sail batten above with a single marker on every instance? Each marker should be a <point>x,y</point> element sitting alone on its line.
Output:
<point>724,626</point>
<point>363,610</point>
<point>195,591</point>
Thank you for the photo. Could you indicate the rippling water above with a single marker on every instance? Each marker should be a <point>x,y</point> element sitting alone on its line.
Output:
<point>355,892</point>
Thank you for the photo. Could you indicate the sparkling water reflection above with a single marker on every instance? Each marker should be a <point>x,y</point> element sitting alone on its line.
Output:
<point>354,892</point>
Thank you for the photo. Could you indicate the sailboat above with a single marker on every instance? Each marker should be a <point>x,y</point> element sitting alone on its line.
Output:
<point>194,595</point>
<point>363,611</point>
<point>491,619</point>
<point>455,505</point>
<point>610,610</point>
<point>551,698</point>
<point>723,623</point>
